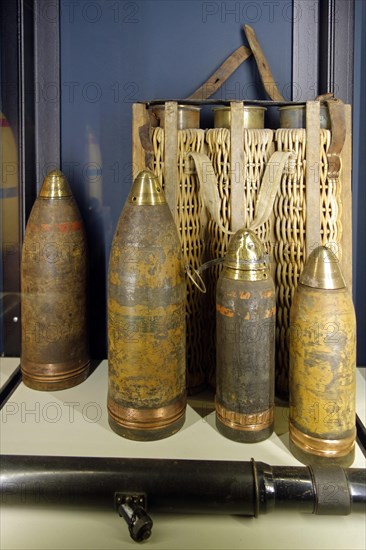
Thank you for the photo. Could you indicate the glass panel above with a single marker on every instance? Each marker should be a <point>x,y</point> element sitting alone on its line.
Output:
<point>9,183</point>
<point>359,179</point>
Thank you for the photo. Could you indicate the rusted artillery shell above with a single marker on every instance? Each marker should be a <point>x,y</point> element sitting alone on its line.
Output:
<point>322,365</point>
<point>245,330</point>
<point>54,352</point>
<point>146,318</point>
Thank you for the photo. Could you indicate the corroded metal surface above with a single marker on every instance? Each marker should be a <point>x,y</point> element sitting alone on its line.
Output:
<point>322,375</point>
<point>146,321</point>
<point>245,328</point>
<point>54,352</point>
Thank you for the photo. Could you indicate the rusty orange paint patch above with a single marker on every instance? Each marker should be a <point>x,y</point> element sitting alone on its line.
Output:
<point>267,294</point>
<point>224,311</point>
<point>247,316</point>
<point>4,123</point>
<point>244,295</point>
<point>64,227</point>
<point>270,312</point>
<point>69,226</point>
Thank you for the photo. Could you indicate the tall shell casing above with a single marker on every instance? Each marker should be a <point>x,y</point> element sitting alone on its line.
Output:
<point>54,353</point>
<point>322,365</point>
<point>146,318</point>
<point>245,336</point>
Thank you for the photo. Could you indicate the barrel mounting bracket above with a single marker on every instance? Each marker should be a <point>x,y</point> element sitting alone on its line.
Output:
<point>132,508</point>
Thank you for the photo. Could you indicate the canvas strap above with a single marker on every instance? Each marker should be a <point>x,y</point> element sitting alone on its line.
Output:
<point>266,196</point>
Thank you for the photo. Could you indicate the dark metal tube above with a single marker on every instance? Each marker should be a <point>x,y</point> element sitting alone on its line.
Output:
<point>187,486</point>
<point>293,488</point>
<point>170,485</point>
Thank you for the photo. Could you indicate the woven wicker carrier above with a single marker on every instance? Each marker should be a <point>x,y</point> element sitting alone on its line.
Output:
<point>312,206</point>
<point>187,213</point>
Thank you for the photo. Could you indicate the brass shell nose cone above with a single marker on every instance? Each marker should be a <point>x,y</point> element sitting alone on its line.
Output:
<point>322,270</point>
<point>245,251</point>
<point>146,190</point>
<point>245,259</point>
<point>55,186</point>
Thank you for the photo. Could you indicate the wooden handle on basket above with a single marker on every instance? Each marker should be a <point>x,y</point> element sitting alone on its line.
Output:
<point>222,74</point>
<point>263,66</point>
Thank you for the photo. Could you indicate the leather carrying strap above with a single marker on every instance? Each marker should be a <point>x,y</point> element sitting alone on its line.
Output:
<point>233,62</point>
<point>263,66</point>
<point>338,126</point>
<point>222,74</point>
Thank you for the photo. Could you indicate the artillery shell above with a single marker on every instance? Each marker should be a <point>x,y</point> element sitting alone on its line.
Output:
<point>54,352</point>
<point>245,327</point>
<point>146,318</point>
<point>322,365</point>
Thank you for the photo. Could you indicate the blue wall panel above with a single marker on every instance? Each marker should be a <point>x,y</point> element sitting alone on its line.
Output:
<point>116,52</point>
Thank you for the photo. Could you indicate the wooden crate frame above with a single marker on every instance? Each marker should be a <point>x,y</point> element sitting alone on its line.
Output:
<point>140,159</point>
<point>140,118</point>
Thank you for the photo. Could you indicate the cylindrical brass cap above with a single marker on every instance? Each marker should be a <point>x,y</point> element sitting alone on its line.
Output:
<point>146,190</point>
<point>246,257</point>
<point>294,116</point>
<point>253,117</point>
<point>322,270</point>
<point>188,116</point>
<point>55,186</point>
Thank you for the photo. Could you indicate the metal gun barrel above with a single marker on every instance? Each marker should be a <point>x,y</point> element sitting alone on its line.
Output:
<point>186,486</point>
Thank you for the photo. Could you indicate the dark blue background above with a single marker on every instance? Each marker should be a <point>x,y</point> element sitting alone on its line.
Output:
<point>116,52</point>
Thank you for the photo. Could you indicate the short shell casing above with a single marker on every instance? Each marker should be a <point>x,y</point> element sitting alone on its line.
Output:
<point>322,376</point>
<point>245,317</point>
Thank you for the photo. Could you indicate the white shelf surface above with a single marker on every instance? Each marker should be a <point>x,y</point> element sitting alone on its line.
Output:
<point>74,422</point>
<point>7,367</point>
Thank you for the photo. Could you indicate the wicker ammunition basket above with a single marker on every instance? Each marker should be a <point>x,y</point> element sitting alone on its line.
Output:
<point>312,207</point>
